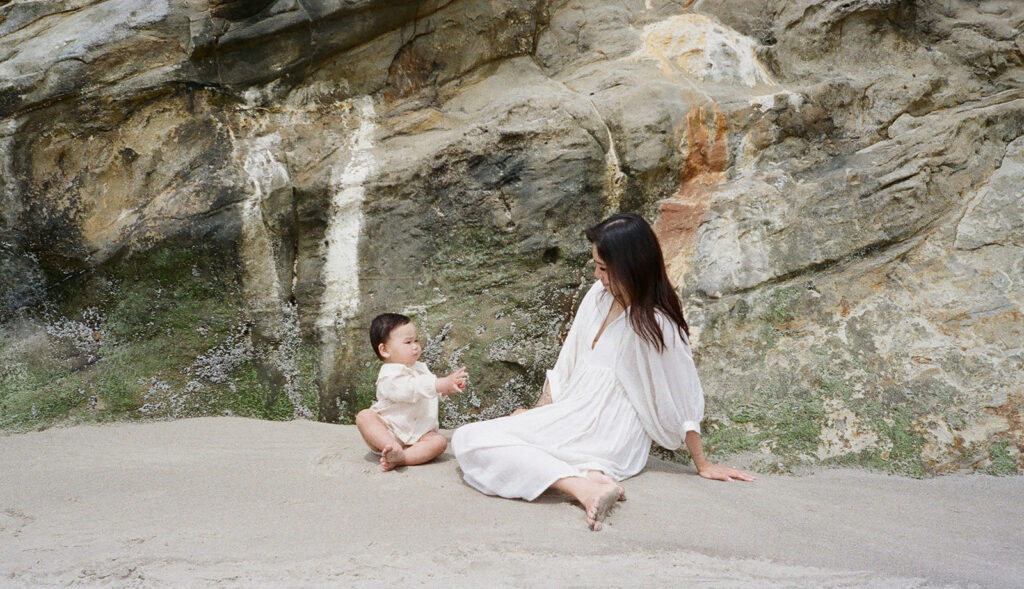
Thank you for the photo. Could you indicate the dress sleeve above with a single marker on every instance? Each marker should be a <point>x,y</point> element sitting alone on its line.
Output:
<point>406,386</point>
<point>662,386</point>
<point>559,376</point>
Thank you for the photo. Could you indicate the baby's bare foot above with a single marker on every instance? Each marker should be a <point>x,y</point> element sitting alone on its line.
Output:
<point>599,506</point>
<point>391,456</point>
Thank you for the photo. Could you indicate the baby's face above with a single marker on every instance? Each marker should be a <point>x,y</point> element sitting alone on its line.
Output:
<point>403,345</point>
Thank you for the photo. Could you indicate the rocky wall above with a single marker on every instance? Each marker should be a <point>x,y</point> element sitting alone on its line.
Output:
<point>836,185</point>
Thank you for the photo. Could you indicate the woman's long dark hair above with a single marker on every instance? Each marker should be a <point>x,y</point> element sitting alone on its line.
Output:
<point>636,266</point>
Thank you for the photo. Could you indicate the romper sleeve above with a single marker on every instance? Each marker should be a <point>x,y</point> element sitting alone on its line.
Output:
<point>559,376</point>
<point>662,386</point>
<point>406,385</point>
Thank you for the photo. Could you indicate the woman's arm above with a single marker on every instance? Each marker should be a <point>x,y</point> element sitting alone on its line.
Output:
<point>545,399</point>
<point>708,470</point>
<point>545,396</point>
<point>566,362</point>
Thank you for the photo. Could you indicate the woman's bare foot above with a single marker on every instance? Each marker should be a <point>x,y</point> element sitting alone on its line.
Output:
<point>391,456</point>
<point>599,506</point>
<point>599,477</point>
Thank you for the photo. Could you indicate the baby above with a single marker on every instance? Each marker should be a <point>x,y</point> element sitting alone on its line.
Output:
<point>402,424</point>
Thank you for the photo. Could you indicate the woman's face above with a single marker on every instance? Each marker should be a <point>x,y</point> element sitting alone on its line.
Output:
<point>601,273</point>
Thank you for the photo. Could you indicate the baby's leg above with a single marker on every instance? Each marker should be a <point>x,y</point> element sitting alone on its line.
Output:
<point>377,436</point>
<point>374,431</point>
<point>427,448</point>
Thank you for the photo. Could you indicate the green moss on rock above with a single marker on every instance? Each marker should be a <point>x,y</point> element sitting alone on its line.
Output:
<point>1000,461</point>
<point>159,334</point>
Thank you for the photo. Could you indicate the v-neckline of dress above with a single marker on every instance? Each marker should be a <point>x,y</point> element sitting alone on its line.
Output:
<point>604,328</point>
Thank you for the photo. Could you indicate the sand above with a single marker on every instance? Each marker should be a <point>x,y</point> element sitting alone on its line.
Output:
<point>237,502</point>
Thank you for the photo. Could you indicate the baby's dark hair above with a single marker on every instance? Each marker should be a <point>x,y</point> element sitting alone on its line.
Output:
<point>381,327</point>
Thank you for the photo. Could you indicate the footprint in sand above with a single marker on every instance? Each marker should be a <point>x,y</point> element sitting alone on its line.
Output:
<point>12,520</point>
<point>338,463</point>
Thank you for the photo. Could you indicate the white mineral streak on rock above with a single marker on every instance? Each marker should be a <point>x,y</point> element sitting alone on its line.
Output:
<point>8,128</point>
<point>701,48</point>
<point>614,178</point>
<point>7,131</point>
<point>340,273</point>
<point>312,95</point>
<point>258,95</point>
<point>302,99</point>
<point>263,288</point>
<point>778,99</point>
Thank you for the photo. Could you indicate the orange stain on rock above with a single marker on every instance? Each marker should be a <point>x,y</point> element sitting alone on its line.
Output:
<point>680,216</point>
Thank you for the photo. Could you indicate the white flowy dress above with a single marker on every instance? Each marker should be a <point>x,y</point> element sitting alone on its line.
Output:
<point>609,401</point>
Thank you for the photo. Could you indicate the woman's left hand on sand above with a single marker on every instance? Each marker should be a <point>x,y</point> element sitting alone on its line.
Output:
<point>718,472</point>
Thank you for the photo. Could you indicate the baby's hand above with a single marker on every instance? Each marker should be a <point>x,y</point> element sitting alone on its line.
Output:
<point>453,383</point>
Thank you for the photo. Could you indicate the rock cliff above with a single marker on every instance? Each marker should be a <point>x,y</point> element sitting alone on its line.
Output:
<point>204,201</point>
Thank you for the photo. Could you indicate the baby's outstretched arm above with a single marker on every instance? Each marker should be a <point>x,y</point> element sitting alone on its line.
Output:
<point>453,383</point>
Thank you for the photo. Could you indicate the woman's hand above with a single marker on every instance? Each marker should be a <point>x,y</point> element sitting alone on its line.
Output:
<point>709,470</point>
<point>545,399</point>
<point>717,472</point>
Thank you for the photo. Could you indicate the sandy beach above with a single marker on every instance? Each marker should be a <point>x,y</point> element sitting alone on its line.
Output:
<point>237,502</point>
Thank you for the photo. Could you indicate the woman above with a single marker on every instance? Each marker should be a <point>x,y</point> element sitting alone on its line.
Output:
<point>624,377</point>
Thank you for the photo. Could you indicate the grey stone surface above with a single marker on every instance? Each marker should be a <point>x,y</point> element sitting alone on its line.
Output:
<point>996,216</point>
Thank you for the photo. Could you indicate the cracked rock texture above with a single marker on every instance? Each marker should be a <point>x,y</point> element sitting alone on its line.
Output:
<point>838,185</point>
